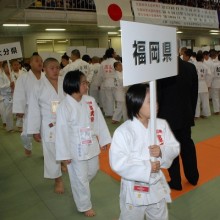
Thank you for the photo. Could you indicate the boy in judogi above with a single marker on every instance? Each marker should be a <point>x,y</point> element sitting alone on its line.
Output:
<point>43,102</point>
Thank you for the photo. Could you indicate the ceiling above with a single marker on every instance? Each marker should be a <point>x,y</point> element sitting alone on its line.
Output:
<point>16,11</point>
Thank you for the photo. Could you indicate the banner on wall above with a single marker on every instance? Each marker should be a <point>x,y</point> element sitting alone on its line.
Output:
<point>174,15</point>
<point>10,51</point>
<point>110,12</point>
<point>149,52</point>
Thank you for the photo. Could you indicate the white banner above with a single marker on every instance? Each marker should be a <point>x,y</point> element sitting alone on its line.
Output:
<point>10,51</point>
<point>149,52</point>
<point>174,15</point>
<point>110,12</point>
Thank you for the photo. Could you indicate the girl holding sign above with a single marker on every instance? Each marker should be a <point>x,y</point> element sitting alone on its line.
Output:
<point>142,194</point>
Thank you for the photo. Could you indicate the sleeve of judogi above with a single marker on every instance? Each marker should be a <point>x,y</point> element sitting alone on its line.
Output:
<point>124,162</point>
<point>3,84</point>
<point>62,143</point>
<point>34,115</point>
<point>19,97</point>
<point>102,128</point>
<point>170,149</point>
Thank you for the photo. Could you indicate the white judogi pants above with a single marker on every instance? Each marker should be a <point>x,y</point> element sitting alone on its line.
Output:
<point>8,115</point>
<point>81,173</point>
<point>216,99</point>
<point>109,103</point>
<point>52,168</point>
<point>2,111</point>
<point>120,110</point>
<point>203,99</point>
<point>26,138</point>
<point>156,211</point>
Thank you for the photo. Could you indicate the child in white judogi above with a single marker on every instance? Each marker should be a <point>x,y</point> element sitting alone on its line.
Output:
<point>23,88</point>
<point>144,190</point>
<point>43,102</point>
<point>80,131</point>
<point>6,90</point>
<point>120,109</point>
<point>204,80</point>
<point>215,87</point>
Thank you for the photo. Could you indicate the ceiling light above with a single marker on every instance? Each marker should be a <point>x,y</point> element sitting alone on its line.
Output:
<point>214,31</point>
<point>55,29</point>
<point>111,33</point>
<point>179,32</point>
<point>16,25</point>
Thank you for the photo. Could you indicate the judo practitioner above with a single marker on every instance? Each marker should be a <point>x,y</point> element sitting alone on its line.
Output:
<point>144,190</point>
<point>119,94</point>
<point>6,90</point>
<point>80,131</point>
<point>44,100</point>
<point>107,72</point>
<point>23,88</point>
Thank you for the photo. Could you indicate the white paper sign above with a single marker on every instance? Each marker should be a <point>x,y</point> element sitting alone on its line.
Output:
<point>149,52</point>
<point>10,51</point>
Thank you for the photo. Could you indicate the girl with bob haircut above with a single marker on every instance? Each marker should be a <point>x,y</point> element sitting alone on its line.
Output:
<point>80,131</point>
<point>144,190</point>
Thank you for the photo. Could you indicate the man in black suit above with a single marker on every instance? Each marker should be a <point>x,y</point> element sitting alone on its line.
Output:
<point>177,98</point>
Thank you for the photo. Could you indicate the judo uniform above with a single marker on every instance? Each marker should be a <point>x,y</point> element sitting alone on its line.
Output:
<point>215,87</point>
<point>7,95</point>
<point>23,88</point>
<point>42,107</point>
<point>204,82</point>
<point>80,131</point>
<point>96,82</point>
<point>130,158</point>
<point>119,93</point>
<point>107,72</point>
<point>81,65</point>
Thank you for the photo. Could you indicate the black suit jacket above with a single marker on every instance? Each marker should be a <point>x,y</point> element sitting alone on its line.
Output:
<point>177,96</point>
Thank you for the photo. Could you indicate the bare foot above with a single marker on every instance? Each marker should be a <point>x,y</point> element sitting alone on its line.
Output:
<point>27,152</point>
<point>63,167</point>
<point>59,188</point>
<point>90,213</point>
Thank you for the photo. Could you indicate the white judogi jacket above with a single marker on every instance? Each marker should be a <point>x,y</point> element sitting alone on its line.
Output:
<point>204,77</point>
<point>23,88</point>
<point>42,108</point>
<point>15,75</point>
<point>81,65</point>
<point>5,89</point>
<point>75,121</point>
<point>96,79</point>
<point>107,71</point>
<point>130,158</point>
<point>216,76</point>
<point>119,89</point>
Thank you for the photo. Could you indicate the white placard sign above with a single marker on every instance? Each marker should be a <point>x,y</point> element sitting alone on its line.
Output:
<point>10,51</point>
<point>149,52</point>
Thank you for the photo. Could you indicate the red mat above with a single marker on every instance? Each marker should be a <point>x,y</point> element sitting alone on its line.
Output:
<point>208,156</point>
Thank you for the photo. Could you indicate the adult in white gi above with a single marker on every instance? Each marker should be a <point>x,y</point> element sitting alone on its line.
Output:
<point>43,102</point>
<point>6,90</point>
<point>215,87</point>
<point>120,109</point>
<point>80,131</point>
<point>107,72</point>
<point>78,64</point>
<point>23,88</point>
<point>204,83</point>
<point>144,190</point>
<point>95,84</point>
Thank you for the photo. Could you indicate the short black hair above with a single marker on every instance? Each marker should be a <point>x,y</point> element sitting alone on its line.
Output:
<point>65,56</point>
<point>76,53</point>
<point>109,52</point>
<point>135,98</point>
<point>49,60</point>
<point>71,82</point>
<point>86,58</point>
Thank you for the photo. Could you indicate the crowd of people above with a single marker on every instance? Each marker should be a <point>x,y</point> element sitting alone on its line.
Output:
<point>62,103</point>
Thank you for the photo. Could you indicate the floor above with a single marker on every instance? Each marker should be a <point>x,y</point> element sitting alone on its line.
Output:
<point>26,195</point>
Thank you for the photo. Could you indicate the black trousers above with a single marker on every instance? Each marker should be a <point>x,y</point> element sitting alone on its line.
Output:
<point>188,156</point>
